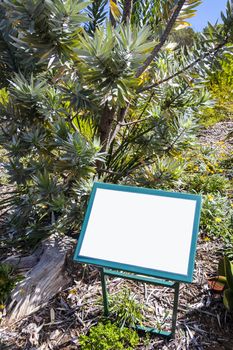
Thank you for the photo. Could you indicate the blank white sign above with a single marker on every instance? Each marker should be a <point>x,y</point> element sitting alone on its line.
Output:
<point>139,229</point>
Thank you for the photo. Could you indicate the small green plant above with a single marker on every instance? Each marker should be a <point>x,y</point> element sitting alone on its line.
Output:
<point>225,278</point>
<point>227,165</point>
<point>109,337</point>
<point>216,216</point>
<point>228,246</point>
<point>160,324</point>
<point>125,309</point>
<point>205,183</point>
<point>7,282</point>
<point>204,160</point>
<point>165,173</point>
<point>228,292</point>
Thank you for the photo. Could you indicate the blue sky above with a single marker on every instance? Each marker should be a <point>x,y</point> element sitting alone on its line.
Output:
<point>208,11</point>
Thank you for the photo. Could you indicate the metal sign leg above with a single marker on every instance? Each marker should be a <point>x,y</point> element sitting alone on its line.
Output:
<point>105,293</point>
<point>175,308</point>
<point>154,281</point>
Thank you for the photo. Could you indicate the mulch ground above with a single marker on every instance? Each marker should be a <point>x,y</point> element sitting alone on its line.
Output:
<point>203,322</point>
<point>218,136</point>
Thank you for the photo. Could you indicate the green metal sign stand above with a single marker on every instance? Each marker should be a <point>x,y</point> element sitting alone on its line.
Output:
<point>149,280</point>
<point>164,220</point>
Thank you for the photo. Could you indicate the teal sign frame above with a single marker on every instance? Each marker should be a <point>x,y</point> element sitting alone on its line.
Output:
<point>137,269</point>
<point>146,275</point>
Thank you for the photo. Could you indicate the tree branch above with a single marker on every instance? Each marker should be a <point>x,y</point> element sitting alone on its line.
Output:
<point>147,104</point>
<point>142,113</point>
<point>147,62</point>
<point>128,5</point>
<point>170,147</point>
<point>192,64</point>
<point>134,121</point>
<point>120,119</point>
<point>163,38</point>
<point>105,126</point>
<point>154,53</point>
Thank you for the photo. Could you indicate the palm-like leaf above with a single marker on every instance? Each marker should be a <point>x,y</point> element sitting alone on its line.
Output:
<point>110,59</point>
<point>47,26</point>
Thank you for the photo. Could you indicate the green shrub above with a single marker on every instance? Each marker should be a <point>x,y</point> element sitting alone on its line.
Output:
<point>54,185</point>
<point>204,160</point>
<point>225,279</point>
<point>206,183</point>
<point>125,309</point>
<point>220,85</point>
<point>228,247</point>
<point>109,337</point>
<point>216,216</point>
<point>228,292</point>
<point>227,165</point>
<point>165,173</point>
<point>73,109</point>
<point>7,282</point>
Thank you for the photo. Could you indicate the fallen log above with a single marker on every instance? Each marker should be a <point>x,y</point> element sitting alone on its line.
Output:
<point>24,262</point>
<point>45,279</point>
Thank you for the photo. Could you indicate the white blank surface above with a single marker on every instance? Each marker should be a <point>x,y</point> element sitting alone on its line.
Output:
<point>149,231</point>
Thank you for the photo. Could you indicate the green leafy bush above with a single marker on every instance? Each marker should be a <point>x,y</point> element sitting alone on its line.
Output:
<point>227,165</point>
<point>225,280</point>
<point>125,309</point>
<point>165,173</point>
<point>53,168</point>
<point>216,216</point>
<point>203,160</point>
<point>220,85</point>
<point>75,85</point>
<point>228,292</point>
<point>109,337</point>
<point>206,183</point>
<point>228,245</point>
<point>7,282</point>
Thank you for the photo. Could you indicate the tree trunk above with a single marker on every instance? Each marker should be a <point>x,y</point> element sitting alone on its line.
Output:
<point>105,128</point>
<point>127,11</point>
<point>46,278</point>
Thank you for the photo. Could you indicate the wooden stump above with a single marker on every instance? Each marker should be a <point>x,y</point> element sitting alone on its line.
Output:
<point>46,277</point>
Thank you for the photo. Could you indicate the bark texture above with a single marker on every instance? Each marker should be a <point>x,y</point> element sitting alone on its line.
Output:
<point>163,38</point>
<point>127,11</point>
<point>105,127</point>
<point>46,278</point>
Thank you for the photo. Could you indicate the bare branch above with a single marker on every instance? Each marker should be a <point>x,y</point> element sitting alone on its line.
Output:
<point>120,119</point>
<point>147,104</point>
<point>191,65</point>
<point>170,147</point>
<point>127,11</point>
<point>163,38</point>
<point>134,121</point>
<point>155,51</point>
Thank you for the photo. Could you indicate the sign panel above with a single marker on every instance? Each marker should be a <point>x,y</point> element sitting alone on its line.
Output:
<point>139,230</point>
